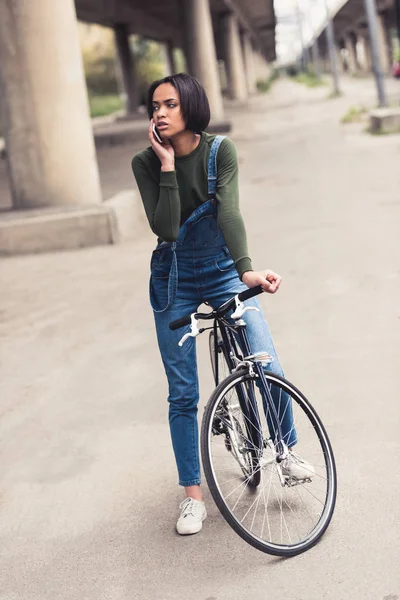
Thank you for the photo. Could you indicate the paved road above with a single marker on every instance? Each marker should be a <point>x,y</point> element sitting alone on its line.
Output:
<point>88,493</point>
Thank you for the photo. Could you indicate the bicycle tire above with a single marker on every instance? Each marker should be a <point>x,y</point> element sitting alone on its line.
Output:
<point>326,473</point>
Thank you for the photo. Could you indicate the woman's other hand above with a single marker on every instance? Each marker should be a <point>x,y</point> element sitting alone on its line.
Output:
<point>268,280</point>
<point>164,151</point>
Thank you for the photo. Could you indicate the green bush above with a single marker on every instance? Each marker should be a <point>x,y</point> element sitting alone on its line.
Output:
<point>264,85</point>
<point>150,64</point>
<point>99,59</point>
<point>101,76</point>
<point>104,105</point>
<point>309,78</point>
<point>101,62</point>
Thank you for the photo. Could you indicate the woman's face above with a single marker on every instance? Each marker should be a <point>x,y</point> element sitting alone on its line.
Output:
<point>167,111</point>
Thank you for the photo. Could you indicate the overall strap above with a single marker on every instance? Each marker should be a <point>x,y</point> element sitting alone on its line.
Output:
<point>212,167</point>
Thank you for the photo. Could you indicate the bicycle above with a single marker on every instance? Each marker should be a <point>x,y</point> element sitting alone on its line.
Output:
<point>243,446</point>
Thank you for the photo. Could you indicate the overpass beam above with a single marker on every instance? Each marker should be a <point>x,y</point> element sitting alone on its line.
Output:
<point>45,115</point>
<point>200,52</point>
<point>234,58</point>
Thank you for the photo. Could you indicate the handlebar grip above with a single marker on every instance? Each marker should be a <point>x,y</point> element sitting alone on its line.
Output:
<point>180,322</point>
<point>250,293</point>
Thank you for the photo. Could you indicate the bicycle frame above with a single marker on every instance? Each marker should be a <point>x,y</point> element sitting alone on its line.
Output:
<point>230,349</point>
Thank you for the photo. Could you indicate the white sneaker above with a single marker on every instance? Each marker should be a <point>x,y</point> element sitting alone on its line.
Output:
<point>193,513</point>
<point>297,468</point>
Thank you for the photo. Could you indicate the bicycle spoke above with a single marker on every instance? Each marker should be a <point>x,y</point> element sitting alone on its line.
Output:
<point>282,512</point>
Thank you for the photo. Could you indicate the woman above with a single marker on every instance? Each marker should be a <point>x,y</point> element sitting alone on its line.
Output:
<point>201,257</point>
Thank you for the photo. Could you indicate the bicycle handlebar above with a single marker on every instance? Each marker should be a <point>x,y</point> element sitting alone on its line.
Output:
<point>180,322</point>
<point>219,312</point>
<point>250,293</point>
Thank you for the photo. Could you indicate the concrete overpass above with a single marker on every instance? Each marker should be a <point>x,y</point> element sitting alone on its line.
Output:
<point>352,36</point>
<point>45,117</point>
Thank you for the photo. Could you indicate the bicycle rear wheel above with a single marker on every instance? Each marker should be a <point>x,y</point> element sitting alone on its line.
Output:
<point>281,516</point>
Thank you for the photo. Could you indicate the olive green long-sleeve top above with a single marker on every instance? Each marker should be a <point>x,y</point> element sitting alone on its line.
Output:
<point>170,197</point>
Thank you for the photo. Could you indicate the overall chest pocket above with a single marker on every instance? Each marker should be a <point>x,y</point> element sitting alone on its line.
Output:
<point>205,231</point>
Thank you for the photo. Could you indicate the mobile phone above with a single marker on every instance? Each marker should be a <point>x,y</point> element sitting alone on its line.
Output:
<point>156,134</point>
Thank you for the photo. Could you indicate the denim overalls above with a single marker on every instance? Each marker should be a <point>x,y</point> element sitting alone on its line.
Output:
<point>198,268</point>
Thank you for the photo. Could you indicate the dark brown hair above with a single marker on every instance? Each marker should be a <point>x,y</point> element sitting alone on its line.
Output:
<point>194,102</point>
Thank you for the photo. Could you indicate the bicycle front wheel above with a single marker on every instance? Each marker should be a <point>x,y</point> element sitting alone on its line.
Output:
<point>283,516</point>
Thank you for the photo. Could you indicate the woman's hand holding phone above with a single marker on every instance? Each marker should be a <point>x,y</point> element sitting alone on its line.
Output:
<point>164,150</point>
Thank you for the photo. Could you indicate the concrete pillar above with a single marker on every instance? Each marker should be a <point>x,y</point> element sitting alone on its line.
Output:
<point>383,45</point>
<point>45,115</point>
<point>200,51</point>
<point>328,64</point>
<point>365,51</point>
<point>339,58</point>
<point>169,58</point>
<point>128,71</point>
<point>261,66</point>
<point>323,59</point>
<point>350,44</point>
<point>234,58</point>
<point>248,56</point>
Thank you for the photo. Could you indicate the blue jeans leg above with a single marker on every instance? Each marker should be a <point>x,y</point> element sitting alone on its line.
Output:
<point>181,370</point>
<point>260,340</point>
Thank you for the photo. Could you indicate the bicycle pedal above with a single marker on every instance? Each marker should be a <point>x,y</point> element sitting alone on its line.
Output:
<point>292,481</point>
<point>218,427</point>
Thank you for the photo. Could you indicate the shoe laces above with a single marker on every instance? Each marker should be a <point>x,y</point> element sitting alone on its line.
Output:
<point>189,507</point>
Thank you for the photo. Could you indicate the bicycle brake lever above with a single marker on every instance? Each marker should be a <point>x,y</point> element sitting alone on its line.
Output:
<point>185,337</point>
<point>194,331</point>
<point>241,308</point>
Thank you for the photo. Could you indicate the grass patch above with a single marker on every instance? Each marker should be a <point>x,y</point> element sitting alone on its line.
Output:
<point>360,75</point>
<point>104,105</point>
<point>264,85</point>
<point>334,95</point>
<point>309,79</point>
<point>380,133</point>
<point>355,114</point>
